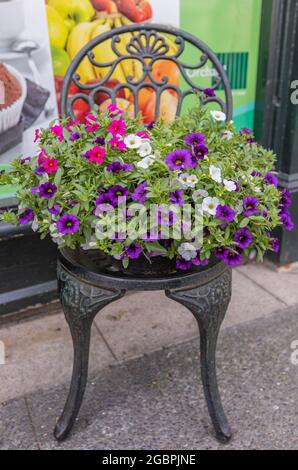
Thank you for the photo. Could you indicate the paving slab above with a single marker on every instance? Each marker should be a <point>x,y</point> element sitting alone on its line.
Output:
<point>144,322</point>
<point>281,283</point>
<point>16,430</point>
<point>156,402</point>
<point>39,354</point>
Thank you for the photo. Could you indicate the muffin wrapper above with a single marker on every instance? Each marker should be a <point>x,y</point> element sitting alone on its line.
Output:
<point>11,115</point>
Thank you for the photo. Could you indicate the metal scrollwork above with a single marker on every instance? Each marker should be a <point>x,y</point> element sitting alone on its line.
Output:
<point>148,45</point>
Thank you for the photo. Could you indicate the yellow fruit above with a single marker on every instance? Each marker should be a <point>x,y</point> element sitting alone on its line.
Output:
<point>78,38</point>
<point>58,31</point>
<point>79,11</point>
<point>103,53</point>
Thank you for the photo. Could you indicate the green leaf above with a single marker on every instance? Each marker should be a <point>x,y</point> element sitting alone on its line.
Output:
<point>244,223</point>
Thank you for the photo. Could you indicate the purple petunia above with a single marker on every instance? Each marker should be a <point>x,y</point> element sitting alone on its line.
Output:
<point>246,131</point>
<point>198,261</point>
<point>150,125</point>
<point>225,213</point>
<point>244,238</point>
<point>140,193</point>
<point>256,173</point>
<point>219,252</point>
<point>179,159</point>
<point>55,209</point>
<point>200,151</point>
<point>166,217</point>
<point>250,206</point>
<point>233,258</point>
<point>176,197</point>
<point>133,251</point>
<point>99,141</point>
<point>286,198</point>
<point>68,224</point>
<point>104,198</point>
<point>47,190</point>
<point>271,179</point>
<point>183,264</point>
<point>287,221</point>
<point>26,216</point>
<point>116,192</point>
<point>193,139</point>
<point>75,136</point>
<point>116,167</point>
<point>275,245</point>
<point>40,170</point>
<point>209,92</point>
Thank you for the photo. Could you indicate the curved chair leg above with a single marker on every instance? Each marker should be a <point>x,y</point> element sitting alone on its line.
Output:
<point>209,303</point>
<point>81,302</point>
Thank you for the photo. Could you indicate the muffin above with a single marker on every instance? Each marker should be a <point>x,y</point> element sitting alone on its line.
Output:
<point>13,90</point>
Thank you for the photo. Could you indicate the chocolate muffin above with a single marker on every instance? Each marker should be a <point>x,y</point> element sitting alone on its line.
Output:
<point>12,87</point>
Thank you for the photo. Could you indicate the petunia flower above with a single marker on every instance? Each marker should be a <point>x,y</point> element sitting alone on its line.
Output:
<point>215,173</point>
<point>96,154</point>
<point>220,252</point>
<point>50,165</point>
<point>145,149</point>
<point>271,179</point>
<point>116,167</point>
<point>218,116</point>
<point>225,213</point>
<point>210,204</point>
<point>194,138</point>
<point>227,135</point>
<point>116,192</point>
<point>200,151</point>
<point>183,264</point>
<point>68,224</point>
<point>244,238</point>
<point>188,181</point>
<point>117,127</point>
<point>47,190</point>
<point>74,136</point>
<point>176,197</point>
<point>133,251</point>
<point>179,159</point>
<point>140,193</point>
<point>209,92</point>
<point>26,216</point>
<point>36,135</point>
<point>117,143</point>
<point>133,141</point>
<point>250,205</point>
<point>146,162</point>
<point>200,193</point>
<point>58,131</point>
<point>187,251</point>
<point>230,185</point>
<point>233,258</point>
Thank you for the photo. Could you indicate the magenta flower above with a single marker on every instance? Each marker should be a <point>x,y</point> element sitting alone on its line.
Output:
<point>117,143</point>
<point>244,238</point>
<point>36,135</point>
<point>176,197</point>
<point>47,190</point>
<point>117,127</point>
<point>140,193</point>
<point>68,224</point>
<point>251,206</point>
<point>42,156</point>
<point>271,179</point>
<point>96,154</point>
<point>114,110</point>
<point>194,139</point>
<point>91,123</point>
<point>209,92</point>
<point>179,159</point>
<point>58,131</point>
<point>225,213</point>
<point>26,216</point>
<point>50,165</point>
<point>143,135</point>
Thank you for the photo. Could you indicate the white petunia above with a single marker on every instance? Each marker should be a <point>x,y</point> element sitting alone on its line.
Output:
<point>145,149</point>
<point>196,195</point>
<point>187,251</point>
<point>133,141</point>
<point>146,162</point>
<point>227,135</point>
<point>34,224</point>
<point>187,181</point>
<point>218,116</point>
<point>215,173</point>
<point>230,185</point>
<point>210,205</point>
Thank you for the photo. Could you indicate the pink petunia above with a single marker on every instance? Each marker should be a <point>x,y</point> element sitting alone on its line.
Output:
<point>58,131</point>
<point>93,125</point>
<point>42,156</point>
<point>117,143</point>
<point>50,165</point>
<point>114,110</point>
<point>143,135</point>
<point>96,154</point>
<point>36,135</point>
<point>117,127</point>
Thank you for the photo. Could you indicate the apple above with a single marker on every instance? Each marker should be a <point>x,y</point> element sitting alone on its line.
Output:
<point>77,10</point>
<point>58,31</point>
<point>60,60</point>
<point>109,6</point>
<point>101,96</point>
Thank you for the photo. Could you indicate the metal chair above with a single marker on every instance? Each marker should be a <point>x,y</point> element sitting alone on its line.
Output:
<point>85,290</point>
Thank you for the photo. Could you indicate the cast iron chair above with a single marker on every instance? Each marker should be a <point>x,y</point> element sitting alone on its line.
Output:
<point>84,290</point>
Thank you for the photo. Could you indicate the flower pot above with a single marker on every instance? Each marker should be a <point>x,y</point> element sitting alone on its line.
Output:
<point>98,261</point>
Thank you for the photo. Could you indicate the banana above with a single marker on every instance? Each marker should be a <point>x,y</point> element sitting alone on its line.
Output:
<point>104,53</point>
<point>79,36</point>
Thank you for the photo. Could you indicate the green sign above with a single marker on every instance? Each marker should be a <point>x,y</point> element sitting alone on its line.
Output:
<point>232,29</point>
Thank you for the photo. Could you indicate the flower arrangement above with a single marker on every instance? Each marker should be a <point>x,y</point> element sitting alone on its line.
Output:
<point>108,172</point>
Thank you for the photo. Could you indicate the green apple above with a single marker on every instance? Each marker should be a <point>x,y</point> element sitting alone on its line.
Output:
<point>77,10</point>
<point>58,31</point>
<point>60,60</point>
<point>70,24</point>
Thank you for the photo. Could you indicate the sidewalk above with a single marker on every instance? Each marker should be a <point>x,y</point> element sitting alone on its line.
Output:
<point>144,389</point>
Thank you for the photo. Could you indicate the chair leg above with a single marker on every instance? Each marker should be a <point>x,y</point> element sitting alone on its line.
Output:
<point>81,302</point>
<point>209,303</point>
